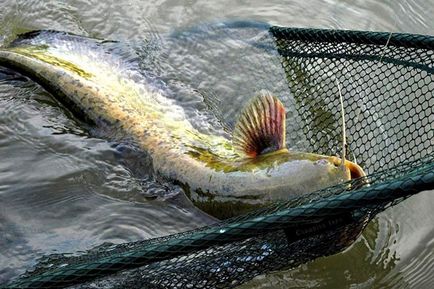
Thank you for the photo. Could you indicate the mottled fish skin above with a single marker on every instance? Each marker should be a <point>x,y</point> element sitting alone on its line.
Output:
<point>111,92</point>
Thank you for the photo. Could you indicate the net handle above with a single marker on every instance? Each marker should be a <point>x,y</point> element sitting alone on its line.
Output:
<point>369,197</point>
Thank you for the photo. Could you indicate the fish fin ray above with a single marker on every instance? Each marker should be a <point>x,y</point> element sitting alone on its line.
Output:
<point>261,126</point>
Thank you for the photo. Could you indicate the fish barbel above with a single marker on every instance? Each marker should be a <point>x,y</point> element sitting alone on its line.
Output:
<point>251,169</point>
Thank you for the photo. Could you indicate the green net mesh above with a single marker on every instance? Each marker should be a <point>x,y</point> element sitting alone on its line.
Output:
<point>387,85</point>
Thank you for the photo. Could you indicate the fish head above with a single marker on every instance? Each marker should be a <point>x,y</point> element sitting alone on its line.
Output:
<point>259,168</point>
<point>259,138</point>
<point>276,176</point>
<point>278,163</point>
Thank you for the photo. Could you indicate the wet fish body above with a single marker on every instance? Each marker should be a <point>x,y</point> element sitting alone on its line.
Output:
<point>251,169</point>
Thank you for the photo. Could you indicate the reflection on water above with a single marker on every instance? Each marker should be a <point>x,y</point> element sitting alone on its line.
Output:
<point>62,190</point>
<point>395,251</point>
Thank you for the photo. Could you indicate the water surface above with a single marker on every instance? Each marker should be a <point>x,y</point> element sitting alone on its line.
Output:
<point>63,189</point>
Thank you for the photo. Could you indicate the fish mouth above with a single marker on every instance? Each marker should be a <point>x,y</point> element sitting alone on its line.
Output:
<point>354,170</point>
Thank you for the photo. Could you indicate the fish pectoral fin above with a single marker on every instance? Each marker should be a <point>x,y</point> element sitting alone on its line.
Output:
<point>261,126</point>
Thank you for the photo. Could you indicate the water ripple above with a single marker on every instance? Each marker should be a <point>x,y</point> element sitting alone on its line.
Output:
<point>63,191</point>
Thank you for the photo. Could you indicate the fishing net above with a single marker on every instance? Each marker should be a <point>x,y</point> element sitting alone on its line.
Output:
<point>387,88</point>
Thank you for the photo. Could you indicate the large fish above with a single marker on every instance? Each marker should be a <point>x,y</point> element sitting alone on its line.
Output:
<point>222,176</point>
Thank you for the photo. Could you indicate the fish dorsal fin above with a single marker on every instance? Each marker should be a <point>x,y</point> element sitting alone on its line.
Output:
<point>261,126</point>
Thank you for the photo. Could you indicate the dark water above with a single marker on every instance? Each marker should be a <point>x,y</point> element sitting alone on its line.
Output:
<point>63,190</point>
